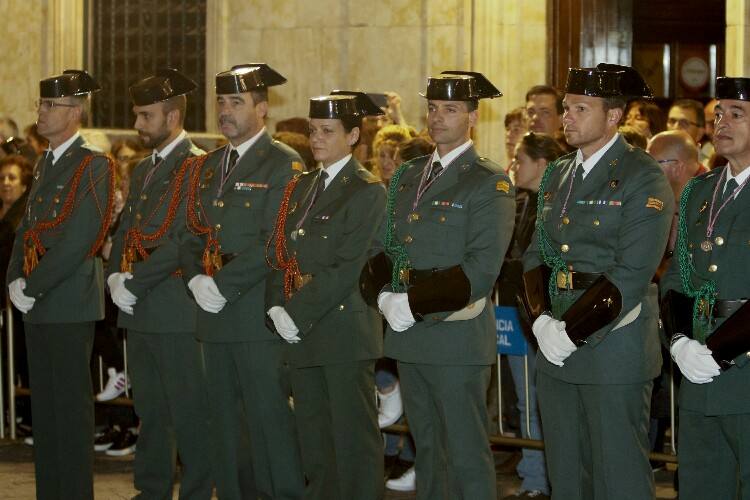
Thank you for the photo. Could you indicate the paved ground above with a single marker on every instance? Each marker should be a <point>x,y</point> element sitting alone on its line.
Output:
<point>113,476</point>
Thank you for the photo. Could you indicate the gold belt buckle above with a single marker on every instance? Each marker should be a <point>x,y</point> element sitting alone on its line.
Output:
<point>403,275</point>
<point>565,280</point>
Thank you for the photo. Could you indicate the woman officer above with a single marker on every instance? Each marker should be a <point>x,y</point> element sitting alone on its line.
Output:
<point>323,230</point>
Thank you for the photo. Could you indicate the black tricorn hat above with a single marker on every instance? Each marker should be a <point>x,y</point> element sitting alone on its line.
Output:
<point>607,80</point>
<point>247,77</point>
<point>71,82</point>
<point>166,83</point>
<point>343,104</point>
<point>731,87</point>
<point>460,86</point>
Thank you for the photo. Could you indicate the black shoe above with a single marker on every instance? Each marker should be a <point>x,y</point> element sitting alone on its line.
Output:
<point>123,445</point>
<point>105,441</point>
<point>399,468</point>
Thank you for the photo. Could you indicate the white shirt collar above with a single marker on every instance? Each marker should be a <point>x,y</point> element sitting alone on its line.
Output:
<point>168,148</point>
<point>740,178</point>
<point>333,169</point>
<point>452,155</point>
<point>592,160</point>
<point>242,148</point>
<point>60,150</point>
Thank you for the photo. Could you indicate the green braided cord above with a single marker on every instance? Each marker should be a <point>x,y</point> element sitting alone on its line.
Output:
<point>394,248</point>
<point>706,294</point>
<point>550,255</point>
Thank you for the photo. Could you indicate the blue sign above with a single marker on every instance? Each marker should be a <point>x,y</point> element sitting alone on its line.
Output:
<point>510,339</point>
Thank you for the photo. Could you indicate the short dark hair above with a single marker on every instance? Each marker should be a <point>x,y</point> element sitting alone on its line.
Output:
<point>472,105</point>
<point>518,114</point>
<point>614,103</point>
<point>27,174</point>
<point>538,146</point>
<point>653,114</point>
<point>299,143</point>
<point>700,117</point>
<point>547,90</point>
<point>179,103</point>
<point>259,95</point>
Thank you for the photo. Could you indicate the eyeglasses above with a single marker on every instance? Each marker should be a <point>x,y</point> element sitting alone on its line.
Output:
<point>662,162</point>
<point>682,122</point>
<point>46,105</point>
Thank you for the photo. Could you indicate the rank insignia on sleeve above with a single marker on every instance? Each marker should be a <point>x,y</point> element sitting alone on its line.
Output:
<point>296,165</point>
<point>502,186</point>
<point>654,203</point>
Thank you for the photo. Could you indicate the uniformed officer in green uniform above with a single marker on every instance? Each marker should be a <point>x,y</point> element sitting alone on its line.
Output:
<point>711,348</point>
<point>449,223</point>
<point>232,201</point>
<point>55,279</point>
<point>323,233</point>
<point>163,354</point>
<point>605,213</point>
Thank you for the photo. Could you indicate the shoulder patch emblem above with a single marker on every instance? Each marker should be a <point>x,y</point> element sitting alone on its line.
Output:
<point>296,165</point>
<point>502,186</point>
<point>655,203</point>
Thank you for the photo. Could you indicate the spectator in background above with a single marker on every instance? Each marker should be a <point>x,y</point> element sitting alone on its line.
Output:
<point>707,145</point>
<point>532,155</point>
<point>544,110</point>
<point>515,127</point>
<point>688,115</point>
<point>363,151</point>
<point>297,124</point>
<point>301,144</point>
<point>385,148</point>
<point>646,117</point>
<point>8,128</point>
<point>35,139</point>
<point>393,112</point>
<point>633,136</point>
<point>416,147</point>
<point>678,155</point>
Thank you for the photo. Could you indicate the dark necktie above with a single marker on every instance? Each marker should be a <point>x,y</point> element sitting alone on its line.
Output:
<point>578,180</point>
<point>233,157</point>
<point>156,160</point>
<point>321,185</point>
<point>729,188</point>
<point>437,167</point>
<point>48,157</point>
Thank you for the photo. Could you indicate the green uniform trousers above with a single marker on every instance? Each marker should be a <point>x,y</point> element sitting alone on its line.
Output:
<point>62,409</point>
<point>342,449</point>
<point>170,399</point>
<point>254,438</point>
<point>447,412</point>
<point>714,456</point>
<point>596,439</point>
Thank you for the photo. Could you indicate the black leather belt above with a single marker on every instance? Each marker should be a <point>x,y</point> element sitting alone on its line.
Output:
<point>413,276</point>
<point>575,280</point>
<point>226,258</point>
<point>725,308</point>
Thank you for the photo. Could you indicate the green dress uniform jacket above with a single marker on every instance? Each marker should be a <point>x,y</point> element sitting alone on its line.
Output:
<point>242,215</point>
<point>617,224</point>
<point>69,290</point>
<point>333,365</point>
<point>247,383</point>
<point>67,284</point>
<point>464,219</point>
<point>156,282</point>
<point>714,417</point>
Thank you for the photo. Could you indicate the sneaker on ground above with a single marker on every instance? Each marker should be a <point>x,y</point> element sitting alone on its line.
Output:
<point>525,495</point>
<point>407,482</point>
<point>105,441</point>
<point>124,445</point>
<point>391,407</point>
<point>115,385</point>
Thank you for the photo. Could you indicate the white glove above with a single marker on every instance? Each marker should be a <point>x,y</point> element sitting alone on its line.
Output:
<point>553,340</point>
<point>22,302</point>
<point>206,293</point>
<point>284,324</point>
<point>695,360</point>
<point>395,308</point>
<point>121,296</point>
